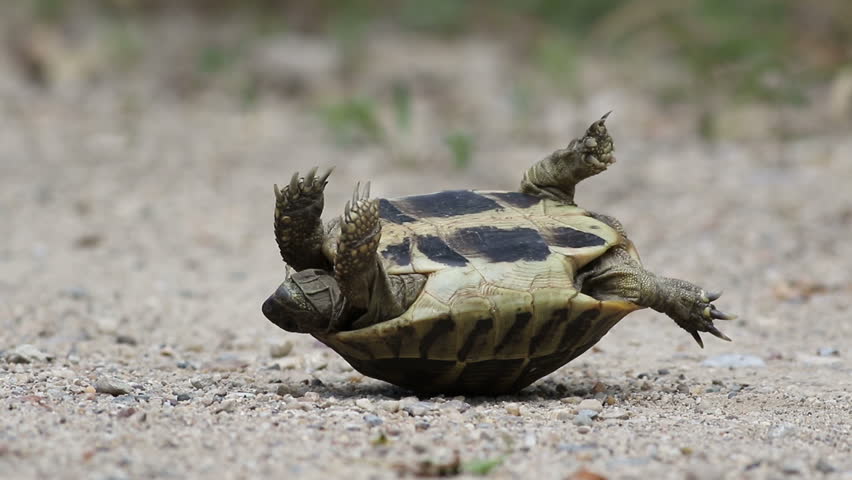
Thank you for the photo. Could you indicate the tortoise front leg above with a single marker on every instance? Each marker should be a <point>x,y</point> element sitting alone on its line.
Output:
<point>557,175</point>
<point>298,226</point>
<point>617,275</point>
<point>359,269</point>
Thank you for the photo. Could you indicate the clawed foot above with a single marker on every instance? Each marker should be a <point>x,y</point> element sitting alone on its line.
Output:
<point>594,148</point>
<point>695,313</point>
<point>360,232</point>
<point>298,227</point>
<point>301,193</point>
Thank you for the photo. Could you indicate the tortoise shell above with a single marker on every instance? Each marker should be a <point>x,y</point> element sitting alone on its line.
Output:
<point>499,309</point>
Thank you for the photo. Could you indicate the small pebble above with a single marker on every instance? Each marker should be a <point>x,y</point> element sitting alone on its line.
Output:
<point>201,382</point>
<point>127,412</point>
<point>106,325</point>
<point>389,406</point>
<point>227,405</point>
<point>27,353</point>
<point>373,420</point>
<point>280,349</point>
<point>183,397</point>
<point>584,429</point>
<point>590,404</point>
<point>781,430</point>
<point>285,389</point>
<point>311,397</point>
<point>421,426</point>
<point>513,409</point>
<point>828,352</point>
<point>419,409</point>
<point>614,414</point>
<point>663,371</point>
<point>581,419</point>
<point>823,466</point>
<point>564,415</point>
<point>122,339</point>
<point>112,386</point>
<point>530,441</point>
<point>364,404</point>
<point>792,467</point>
<point>458,405</point>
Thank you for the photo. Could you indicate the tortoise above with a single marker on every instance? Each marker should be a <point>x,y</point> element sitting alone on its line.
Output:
<point>463,291</point>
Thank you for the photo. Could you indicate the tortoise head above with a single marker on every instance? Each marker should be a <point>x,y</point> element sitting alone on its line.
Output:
<point>306,302</point>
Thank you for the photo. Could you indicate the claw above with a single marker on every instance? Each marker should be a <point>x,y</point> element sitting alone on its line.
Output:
<point>346,211</point>
<point>715,331</point>
<point>294,184</point>
<point>697,338</point>
<point>277,192</point>
<point>309,178</point>
<point>366,191</point>
<point>603,118</point>
<point>719,315</point>
<point>324,178</point>
<point>355,193</point>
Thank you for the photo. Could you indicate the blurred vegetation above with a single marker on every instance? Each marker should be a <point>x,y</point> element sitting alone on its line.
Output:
<point>757,48</point>
<point>759,51</point>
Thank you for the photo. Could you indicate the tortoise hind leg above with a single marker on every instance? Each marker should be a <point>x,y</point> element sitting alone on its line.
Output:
<point>557,175</point>
<point>298,226</point>
<point>617,275</point>
<point>359,270</point>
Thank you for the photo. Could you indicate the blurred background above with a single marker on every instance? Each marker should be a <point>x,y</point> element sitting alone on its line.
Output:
<point>377,71</point>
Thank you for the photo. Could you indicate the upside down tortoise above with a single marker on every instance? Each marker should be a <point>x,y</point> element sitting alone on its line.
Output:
<point>464,291</point>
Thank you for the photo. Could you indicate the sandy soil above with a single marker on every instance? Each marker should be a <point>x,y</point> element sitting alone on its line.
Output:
<point>137,248</point>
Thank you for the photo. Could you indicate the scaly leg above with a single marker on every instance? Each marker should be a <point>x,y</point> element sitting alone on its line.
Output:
<point>557,175</point>
<point>617,275</point>
<point>359,269</point>
<point>298,226</point>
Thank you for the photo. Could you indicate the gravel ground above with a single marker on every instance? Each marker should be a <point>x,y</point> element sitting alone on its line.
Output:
<point>137,249</point>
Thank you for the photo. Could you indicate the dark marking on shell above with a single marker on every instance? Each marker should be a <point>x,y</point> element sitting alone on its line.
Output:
<point>436,250</point>
<point>389,212</point>
<point>365,349</point>
<point>517,199</point>
<point>556,317</point>
<point>578,328</point>
<point>482,327</point>
<point>522,319</point>
<point>442,327</point>
<point>399,253</point>
<point>449,203</point>
<point>573,238</point>
<point>394,342</point>
<point>500,245</point>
